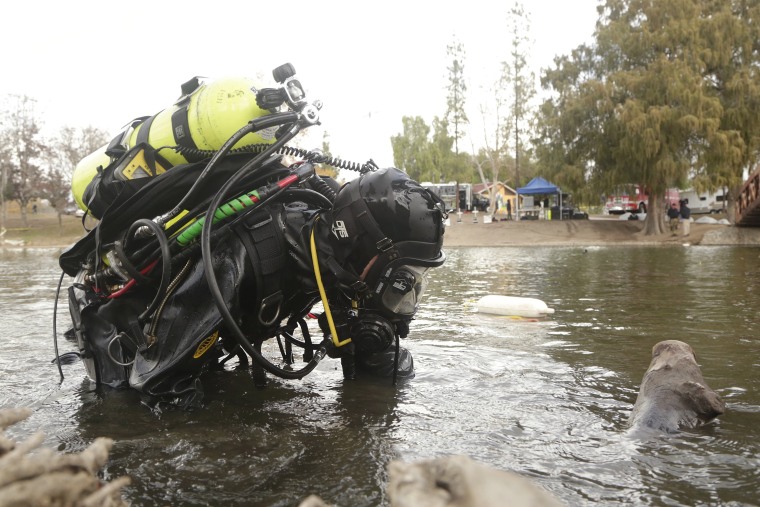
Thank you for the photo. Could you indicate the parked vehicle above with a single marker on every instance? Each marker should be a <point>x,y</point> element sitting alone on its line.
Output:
<point>465,201</point>
<point>569,213</point>
<point>73,209</point>
<point>633,199</point>
<point>480,202</point>
<point>704,202</point>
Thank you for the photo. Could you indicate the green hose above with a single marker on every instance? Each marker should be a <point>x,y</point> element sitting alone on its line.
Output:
<point>232,207</point>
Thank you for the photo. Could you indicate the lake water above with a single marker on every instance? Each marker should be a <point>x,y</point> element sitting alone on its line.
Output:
<point>549,400</point>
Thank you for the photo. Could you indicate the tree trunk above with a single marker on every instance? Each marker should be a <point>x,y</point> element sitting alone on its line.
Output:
<point>24,219</point>
<point>485,184</point>
<point>732,196</point>
<point>655,221</point>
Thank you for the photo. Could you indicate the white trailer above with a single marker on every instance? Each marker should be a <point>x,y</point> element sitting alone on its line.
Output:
<point>704,202</point>
<point>447,192</point>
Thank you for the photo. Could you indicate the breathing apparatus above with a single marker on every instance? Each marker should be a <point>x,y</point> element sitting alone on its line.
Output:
<point>385,232</point>
<point>374,240</point>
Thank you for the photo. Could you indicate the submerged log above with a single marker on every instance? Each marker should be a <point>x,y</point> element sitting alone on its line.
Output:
<point>30,476</point>
<point>459,481</point>
<point>673,393</point>
<point>456,481</point>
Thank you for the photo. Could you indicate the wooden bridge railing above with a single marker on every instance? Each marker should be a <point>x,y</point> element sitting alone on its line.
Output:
<point>748,203</point>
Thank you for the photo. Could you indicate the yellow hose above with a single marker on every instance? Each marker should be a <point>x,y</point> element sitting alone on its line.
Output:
<point>322,294</point>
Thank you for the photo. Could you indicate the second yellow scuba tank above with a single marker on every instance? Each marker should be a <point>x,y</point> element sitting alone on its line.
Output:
<point>202,119</point>
<point>205,119</point>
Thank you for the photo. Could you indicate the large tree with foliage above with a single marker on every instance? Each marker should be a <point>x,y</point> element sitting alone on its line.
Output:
<point>452,166</point>
<point>411,150</point>
<point>664,93</point>
<point>427,156</point>
<point>731,54</point>
<point>456,117</point>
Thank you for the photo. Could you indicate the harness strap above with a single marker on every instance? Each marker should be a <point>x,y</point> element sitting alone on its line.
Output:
<point>267,254</point>
<point>363,216</point>
<point>346,277</point>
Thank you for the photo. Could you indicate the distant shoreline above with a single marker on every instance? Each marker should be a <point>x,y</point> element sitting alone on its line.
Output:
<point>593,232</point>
<point>44,232</point>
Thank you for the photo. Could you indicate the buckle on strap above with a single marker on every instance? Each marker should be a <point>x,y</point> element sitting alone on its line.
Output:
<point>384,245</point>
<point>359,287</point>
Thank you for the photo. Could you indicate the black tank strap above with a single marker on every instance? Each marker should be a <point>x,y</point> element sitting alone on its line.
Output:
<point>142,134</point>
<point>118,145</point>
<point>182,136</point>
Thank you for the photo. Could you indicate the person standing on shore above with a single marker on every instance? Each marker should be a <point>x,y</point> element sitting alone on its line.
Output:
<point>685,217</point>
<point>673,215</point>
<point>509,209</point>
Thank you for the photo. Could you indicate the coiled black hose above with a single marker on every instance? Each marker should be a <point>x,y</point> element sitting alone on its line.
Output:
<point>323,188</point>
<point>315,157</point>
<point>166,261</point>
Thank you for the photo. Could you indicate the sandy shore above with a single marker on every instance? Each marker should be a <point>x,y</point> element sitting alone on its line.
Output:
<point>597,231</point>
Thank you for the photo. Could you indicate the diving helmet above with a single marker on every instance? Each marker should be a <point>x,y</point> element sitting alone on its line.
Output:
<point>387,230</point>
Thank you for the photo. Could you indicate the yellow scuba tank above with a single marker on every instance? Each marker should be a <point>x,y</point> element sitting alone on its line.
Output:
<point>202,119</point>
<point>85,171</point>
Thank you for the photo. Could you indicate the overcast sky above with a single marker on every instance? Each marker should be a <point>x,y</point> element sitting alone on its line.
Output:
<point>104,63</point>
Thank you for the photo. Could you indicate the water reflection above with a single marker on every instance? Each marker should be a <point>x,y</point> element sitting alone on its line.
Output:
<point>547,399</point>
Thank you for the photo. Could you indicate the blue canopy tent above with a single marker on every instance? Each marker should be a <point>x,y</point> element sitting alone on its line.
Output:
<point>538,186</point>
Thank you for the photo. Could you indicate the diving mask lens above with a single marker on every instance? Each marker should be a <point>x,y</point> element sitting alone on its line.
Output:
<point>404,290</point>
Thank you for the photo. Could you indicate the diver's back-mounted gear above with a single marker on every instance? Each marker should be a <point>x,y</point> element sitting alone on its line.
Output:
<point>195,203</point>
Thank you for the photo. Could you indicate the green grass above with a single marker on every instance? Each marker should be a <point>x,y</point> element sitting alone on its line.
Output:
<point>43,229</point>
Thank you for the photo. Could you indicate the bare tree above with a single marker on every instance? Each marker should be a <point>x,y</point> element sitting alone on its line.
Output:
<point>23,148</point>
<point>65,151</point>
<point>496,132</point>
<point>455,99</point>
<point>4,171</point>
<point>515,72</point>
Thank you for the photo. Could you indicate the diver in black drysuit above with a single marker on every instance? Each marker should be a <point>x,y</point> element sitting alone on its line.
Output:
<point>373,243</point>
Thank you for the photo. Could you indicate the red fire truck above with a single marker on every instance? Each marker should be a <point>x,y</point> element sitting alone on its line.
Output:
<point>633,199</point>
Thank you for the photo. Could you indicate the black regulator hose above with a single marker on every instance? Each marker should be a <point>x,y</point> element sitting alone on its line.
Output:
<point>323,188</point>
<point>166,261</point>
<point>310,196</point>
<point>55,326</point>
<point>208,266</point>
<point>272,120</point>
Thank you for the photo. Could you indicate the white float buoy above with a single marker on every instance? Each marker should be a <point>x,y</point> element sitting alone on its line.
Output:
<point>513,306</point>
